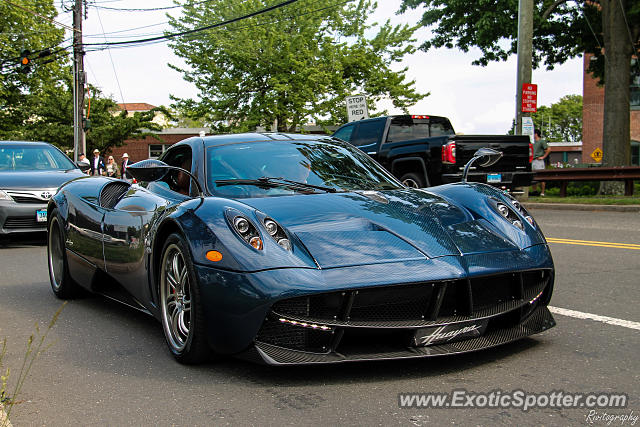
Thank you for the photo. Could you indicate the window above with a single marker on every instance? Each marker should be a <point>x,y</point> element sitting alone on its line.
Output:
<point>156,150</point>
<point>345,133</point>
<point>368,133</point>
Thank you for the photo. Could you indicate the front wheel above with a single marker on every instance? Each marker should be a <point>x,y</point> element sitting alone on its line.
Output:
<point>182,315</point>
<point>61,283</point>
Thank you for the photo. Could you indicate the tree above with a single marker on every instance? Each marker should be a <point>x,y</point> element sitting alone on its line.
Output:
<point>608,28</point>
<point>561,121</point>
<point>291,65</point>
<point>38,105</point>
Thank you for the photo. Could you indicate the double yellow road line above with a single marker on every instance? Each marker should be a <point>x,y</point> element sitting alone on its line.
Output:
<point>592,243</point>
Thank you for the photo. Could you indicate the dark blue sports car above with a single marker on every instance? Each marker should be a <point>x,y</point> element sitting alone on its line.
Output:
<point>297,249</point>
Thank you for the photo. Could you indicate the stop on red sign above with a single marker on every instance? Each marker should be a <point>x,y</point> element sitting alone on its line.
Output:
<point>529,98</point>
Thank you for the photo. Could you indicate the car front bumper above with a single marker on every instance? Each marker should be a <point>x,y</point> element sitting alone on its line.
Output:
<point>381,311</point>
<point>21,217</point>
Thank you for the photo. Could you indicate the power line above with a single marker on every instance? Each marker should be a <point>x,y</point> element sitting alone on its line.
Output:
<point>149,9</point>
<point>111,58</point>
<point>196,30</point>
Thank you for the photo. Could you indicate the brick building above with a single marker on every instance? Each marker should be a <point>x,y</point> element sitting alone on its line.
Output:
<point>593,115</point>
<point>149,147</point>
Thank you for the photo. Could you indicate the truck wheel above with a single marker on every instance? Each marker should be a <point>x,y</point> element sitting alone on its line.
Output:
<point>412,180</point>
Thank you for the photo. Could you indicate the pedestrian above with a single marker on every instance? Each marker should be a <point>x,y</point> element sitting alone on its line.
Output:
<point>124,166</point>
<point>82,159</point>
<point>541,151</point>
<point>112,168</point>
<point>97,163</point>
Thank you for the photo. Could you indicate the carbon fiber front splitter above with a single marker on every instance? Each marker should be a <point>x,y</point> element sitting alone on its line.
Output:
<point>540,320</point>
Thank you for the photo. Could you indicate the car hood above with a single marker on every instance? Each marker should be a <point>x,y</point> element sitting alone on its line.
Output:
<point>343,229</point>
<point>35,180</point>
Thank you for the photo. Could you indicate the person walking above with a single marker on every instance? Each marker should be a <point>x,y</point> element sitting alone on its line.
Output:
<point>112,168</point>
<point>541,151</point>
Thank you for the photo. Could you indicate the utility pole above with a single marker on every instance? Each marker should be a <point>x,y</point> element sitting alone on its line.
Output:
<point>525,55</point>
<point>78,82</point>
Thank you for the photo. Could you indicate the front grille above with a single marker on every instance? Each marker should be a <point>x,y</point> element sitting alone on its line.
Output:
<point>28,199</point>
<point>389,315</point>
<point>15,222</point>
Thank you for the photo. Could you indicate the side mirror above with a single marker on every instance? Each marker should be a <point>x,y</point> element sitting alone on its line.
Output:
<point>83,166</point>
<point>154,170</point>
<point>486,156</point>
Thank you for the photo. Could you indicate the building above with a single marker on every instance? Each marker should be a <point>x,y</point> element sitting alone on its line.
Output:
<point>593,115</point>
<point>141,107</point>
<point>150,147</point>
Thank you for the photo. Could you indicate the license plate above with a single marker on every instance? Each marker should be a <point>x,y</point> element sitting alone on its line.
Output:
<point>449,333</point>
<point>41,215</point>
<point>494,177</point>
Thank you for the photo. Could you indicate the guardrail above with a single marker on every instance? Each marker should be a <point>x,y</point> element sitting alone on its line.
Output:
<point>566,175</point>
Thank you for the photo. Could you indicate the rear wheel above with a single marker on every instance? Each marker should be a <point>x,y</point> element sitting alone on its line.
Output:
<point>182,315</point>
<point>61,283</point>
<point>412,180</point>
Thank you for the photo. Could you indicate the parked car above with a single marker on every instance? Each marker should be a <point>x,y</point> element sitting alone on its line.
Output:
<point>298,249</point>
<point>30,173</point>
<point>423,151</point>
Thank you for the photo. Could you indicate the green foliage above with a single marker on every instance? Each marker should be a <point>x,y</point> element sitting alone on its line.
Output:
<point>562,121</point>
<point>291,65</point>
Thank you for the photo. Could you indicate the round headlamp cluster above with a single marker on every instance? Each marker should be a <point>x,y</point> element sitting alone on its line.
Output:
<point>247,231</point>
<point>277,233</point>
<point>518,206</point>
<point>509,215</point>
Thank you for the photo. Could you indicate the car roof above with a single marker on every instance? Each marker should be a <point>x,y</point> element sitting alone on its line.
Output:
<point>37,143</point>
<point>213,140</point>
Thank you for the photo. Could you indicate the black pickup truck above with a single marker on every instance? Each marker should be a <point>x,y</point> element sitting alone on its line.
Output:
<point>424,150</point>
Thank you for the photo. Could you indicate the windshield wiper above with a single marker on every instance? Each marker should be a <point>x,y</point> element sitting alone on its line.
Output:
<point>267,181</point>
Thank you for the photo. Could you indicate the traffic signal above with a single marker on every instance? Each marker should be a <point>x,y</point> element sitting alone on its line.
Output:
<point>25,61</point>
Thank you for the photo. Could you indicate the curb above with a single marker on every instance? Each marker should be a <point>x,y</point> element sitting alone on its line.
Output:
<point>580,207</point>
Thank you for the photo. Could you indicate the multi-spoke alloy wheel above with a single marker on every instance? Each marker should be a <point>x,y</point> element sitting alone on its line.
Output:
<point>182,318</point>
<point>61,283</point>
<point>176,299</point>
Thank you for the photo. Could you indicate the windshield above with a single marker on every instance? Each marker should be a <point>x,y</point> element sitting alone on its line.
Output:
<point>33,158</point>
<point>317,164</point>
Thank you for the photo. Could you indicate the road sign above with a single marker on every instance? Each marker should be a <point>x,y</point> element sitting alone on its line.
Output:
<point>597,155</point>
<point>357,108</point>
<point>529,98</point>
<point>527,127</point>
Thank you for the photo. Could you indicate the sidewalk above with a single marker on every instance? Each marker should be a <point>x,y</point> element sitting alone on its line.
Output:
<point>582,207</point>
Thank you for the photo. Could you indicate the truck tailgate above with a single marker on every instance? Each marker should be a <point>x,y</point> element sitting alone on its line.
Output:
<point>514,147</point>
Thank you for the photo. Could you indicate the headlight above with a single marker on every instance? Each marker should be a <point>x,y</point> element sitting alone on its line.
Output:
<point>509,214</point>
<point>278,234</point>
<point>245,229</point>
<point>4,196</point>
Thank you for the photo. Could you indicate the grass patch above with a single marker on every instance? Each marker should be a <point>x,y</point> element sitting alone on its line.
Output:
<point>588,200</point>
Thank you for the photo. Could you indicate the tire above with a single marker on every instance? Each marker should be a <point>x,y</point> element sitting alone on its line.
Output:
<point>180,303</point>
<point>61,283</point>
<point>412,180</point>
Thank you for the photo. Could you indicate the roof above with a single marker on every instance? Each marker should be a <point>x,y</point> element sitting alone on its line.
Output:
<point>260,137</point>
<point>38,143</point>
<point>136,106</point>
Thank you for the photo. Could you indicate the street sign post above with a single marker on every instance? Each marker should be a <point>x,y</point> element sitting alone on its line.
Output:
<point>357,108</point>
<point>529,98</point>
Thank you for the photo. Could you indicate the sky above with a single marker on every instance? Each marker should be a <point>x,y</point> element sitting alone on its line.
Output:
<point>477,100</point>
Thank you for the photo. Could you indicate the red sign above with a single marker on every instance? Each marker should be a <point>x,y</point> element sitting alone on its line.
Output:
<point>529,98</point>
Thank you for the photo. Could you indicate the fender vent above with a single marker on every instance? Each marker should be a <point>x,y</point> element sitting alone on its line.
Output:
<point>112,193</point>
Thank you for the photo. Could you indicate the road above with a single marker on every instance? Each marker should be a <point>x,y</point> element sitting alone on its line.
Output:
<point>108,365</point>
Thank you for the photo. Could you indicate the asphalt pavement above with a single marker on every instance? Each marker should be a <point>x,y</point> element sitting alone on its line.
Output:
<point>108,364</point>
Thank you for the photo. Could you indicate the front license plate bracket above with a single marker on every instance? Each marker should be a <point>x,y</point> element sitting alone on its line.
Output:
<point>449,333</point>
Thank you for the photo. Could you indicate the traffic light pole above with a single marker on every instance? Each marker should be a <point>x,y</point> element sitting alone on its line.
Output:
<point>79,145</point>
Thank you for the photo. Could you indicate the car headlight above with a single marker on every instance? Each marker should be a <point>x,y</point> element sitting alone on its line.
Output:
<point>4,196</point>
<point>509,214</point>
<point>278,234</point>
<point>245,229</point>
